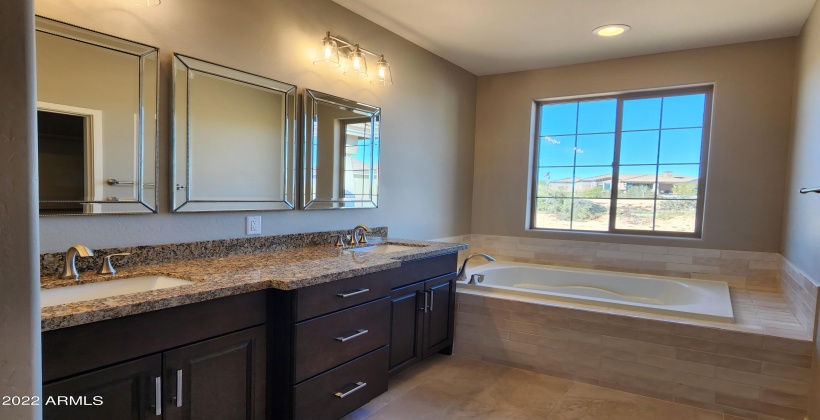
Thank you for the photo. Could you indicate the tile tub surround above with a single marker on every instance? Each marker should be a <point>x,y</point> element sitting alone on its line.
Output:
<point>755,284</point>
<point>51,263</point>
<point>801,293</point>
<point>219,277</point>
<point>743,374</point>
<point>738,268</point>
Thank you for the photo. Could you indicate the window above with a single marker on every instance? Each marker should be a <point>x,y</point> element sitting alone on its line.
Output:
<point>357,149</point>
<point>631,163</point>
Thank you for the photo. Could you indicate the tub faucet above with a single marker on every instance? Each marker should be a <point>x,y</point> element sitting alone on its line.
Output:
<point>461,276</point>
<point>357,235</point>
<point>70,269</point>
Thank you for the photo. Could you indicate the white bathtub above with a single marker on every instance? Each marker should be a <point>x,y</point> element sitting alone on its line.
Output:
<point>699,299</point>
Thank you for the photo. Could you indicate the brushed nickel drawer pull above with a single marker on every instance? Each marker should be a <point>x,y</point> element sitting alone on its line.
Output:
<point>158,396</point>
<point>358,292</point>
<point>431,299</point>
<point>350,337</point>
<point>179,388</point>
<point>359,385</point>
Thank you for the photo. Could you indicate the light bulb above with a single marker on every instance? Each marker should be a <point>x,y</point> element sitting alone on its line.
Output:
<point>328,51</point>
<point>383,76</point>
<point>611,30</point>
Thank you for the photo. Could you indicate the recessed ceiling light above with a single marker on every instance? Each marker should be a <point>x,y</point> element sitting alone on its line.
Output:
<point>611,30</point>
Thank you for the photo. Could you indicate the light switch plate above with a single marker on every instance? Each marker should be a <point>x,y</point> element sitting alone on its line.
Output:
<point>253,225</point>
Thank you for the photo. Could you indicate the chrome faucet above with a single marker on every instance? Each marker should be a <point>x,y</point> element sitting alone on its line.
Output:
<point>461,275</point>
<point>357,235</point>
<point>70,269</point>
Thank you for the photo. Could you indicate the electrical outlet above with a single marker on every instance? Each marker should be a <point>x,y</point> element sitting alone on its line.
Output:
<point>253,225</point>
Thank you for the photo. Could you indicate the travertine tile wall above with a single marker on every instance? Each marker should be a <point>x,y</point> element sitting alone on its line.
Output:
<point>801,294</point>
<point>743,374</point>
<point>738,268</point>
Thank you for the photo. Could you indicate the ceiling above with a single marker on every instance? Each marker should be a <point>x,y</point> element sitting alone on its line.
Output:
<point>501,36</point>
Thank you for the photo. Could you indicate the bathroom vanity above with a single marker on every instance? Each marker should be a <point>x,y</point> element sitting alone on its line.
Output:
<point>317,346</point>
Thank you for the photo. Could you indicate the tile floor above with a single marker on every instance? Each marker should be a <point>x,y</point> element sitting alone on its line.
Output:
<point>452,387</point>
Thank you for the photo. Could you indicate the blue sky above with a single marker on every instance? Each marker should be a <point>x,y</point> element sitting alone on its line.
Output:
<point>585,132</point>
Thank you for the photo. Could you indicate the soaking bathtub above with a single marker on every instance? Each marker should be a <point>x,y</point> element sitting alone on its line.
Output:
<point>698,299</point>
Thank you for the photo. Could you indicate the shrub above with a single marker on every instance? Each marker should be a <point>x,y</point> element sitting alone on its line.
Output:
<point>562,208</point>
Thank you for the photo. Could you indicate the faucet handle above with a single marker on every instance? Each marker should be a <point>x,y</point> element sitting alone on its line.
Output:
<point>106,267</point>
<point>362,237</point>
<point>340,243</point>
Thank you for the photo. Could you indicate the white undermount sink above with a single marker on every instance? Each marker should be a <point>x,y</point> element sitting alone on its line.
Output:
<point>104,289</point>
<point>385,248</point>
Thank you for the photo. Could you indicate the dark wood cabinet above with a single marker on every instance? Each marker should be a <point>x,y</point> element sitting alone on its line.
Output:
<point>422,321</point>
<point>125,391</point>
<point>406,327</point>
<point>221,378</point>
<point>212,354</point>
<point>439,317</point>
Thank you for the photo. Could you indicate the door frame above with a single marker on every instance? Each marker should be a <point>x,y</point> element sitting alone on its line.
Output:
<point>93,160</point>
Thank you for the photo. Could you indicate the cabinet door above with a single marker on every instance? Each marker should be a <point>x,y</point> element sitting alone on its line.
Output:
<point>406,315</point>
<point>221,378</point>
<point>125,391</point>
<point>439,317</point>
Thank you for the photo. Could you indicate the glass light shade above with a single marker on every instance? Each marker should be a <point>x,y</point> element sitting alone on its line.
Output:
<point>327,53</point>
<point>356,63</point>
<point>383,75</point>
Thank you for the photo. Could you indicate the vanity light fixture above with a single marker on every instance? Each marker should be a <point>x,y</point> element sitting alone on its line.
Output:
<point>611,30</point>
<point>331,48</point>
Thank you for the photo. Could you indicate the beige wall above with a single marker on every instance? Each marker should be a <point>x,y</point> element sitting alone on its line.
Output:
<point>801,243</point>
<point>801,236</point>
<point>427,129</point>
<point>19,263</point>
<point>750,130</point>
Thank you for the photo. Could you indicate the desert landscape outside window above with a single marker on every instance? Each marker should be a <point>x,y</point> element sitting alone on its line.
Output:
<point>628,163</point>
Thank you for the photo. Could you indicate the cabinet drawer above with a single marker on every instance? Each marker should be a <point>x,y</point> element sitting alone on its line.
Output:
<point>323,397</point>
<point>426,268</point>
<point>330,297</point>
<point>326,342</point>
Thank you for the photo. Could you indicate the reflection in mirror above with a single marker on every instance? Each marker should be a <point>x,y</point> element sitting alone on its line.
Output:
<point>97,107</point>
<point>234,143</point>
<point>341,153</point>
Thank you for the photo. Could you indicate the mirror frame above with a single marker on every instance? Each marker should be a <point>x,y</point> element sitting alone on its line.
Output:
<point>290,144</point>
<point>312,100</point>
<point>142,51</point>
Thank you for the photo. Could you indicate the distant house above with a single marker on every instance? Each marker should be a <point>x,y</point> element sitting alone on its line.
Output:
<point>663,184</point>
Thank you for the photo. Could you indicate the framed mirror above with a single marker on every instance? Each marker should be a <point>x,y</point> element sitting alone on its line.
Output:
<point>97,121</point>
<point>341,153</point>
<point>234,145</point>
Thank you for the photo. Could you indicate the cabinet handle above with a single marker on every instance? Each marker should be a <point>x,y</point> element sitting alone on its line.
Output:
<point>350,337</point>
<point>359,385</point>
<point>358,292</point>
<point>158,396</point>
<point>179,388</point>
<point>431,300</point>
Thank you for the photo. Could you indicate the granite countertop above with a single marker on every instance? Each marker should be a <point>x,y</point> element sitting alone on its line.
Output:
<point>220,277</point>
